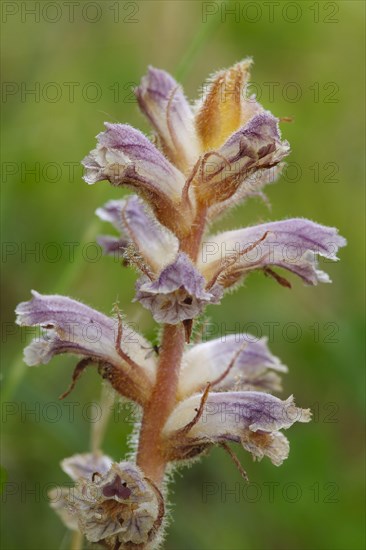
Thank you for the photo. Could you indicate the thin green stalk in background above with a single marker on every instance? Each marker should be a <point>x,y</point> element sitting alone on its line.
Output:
<point>99,427</point>
<point>76,541</point>
<point>204,33</point>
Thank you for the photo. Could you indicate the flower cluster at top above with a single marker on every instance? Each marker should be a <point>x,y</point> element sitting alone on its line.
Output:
<point>202,161</point>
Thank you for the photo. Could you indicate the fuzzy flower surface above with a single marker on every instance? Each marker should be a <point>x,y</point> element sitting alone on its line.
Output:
<point>202,160</point>
<point>110,502</point>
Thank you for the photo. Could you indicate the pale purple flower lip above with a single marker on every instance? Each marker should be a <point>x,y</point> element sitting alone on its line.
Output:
<point>85,465</point>
<point>178,294</point>
<point>125,157</point>
<point>155,244</point>
<point>162,101</point>
<point>68,323</point>
<point>113,246</point>
<point>252,368</point>
<point>78,467</point>
<point>112,212</point>
<point>252,418</point>
<point>291,244</point>
<point>72,327</point>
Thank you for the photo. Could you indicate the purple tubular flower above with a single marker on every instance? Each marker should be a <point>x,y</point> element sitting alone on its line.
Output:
<point>291,244</point>
<point>72,327</point>
<point>230,364</point>
<point>255,147</point>
<point>156,245</point>
<point>124,153</point>
<point>251,418</point>
<point>178,294</point>
<point>162,101</point>
<point>124,156</point>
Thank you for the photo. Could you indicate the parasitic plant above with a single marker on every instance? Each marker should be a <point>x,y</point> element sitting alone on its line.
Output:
<point>204,160</point>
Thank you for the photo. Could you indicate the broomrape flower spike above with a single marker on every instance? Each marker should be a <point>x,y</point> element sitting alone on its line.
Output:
<point>203,160</point>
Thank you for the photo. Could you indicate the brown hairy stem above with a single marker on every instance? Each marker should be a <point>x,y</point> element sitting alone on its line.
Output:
<point>150,455</point>
<point>191,243</point>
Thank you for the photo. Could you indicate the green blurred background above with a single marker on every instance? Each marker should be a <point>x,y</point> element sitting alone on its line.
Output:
<point>315,500</point>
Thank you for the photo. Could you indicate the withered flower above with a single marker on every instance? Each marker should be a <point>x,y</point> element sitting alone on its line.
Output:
<point>111,503</point>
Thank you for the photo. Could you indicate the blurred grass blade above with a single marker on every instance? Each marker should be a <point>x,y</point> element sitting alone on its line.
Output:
<point>204,33</point>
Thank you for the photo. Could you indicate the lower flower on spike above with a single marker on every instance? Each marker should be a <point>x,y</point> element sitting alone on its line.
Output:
<point>250,418</point>
<point>111,502</point>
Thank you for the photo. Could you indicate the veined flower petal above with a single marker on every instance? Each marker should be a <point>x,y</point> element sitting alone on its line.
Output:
<point>121,151</point>
<point>59,502</point>
<point>225,105</point>
<point>73,327</point>
<point>85,465</point>
<point>255,148</point>
<point>68,323</point>
<point>80,466</point>
<point>124,156</point>
<point>292,244</point>
<point>154,242</point>
<point>111,212</point>
<point>162,101</point>
<point>178,293</point>
<point>252,418</point>
<point>248,359</point>
<point>116,504</point>
<point>113,246</point>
